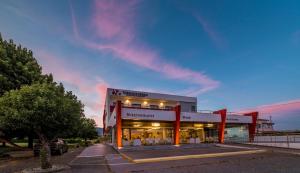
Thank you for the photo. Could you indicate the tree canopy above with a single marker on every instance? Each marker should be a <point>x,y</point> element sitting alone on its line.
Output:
<point>17,66</point>
<point>87,129</point>
<point>46,108</point>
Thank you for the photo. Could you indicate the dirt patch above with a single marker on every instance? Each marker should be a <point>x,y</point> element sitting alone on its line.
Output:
<point>17,165</point>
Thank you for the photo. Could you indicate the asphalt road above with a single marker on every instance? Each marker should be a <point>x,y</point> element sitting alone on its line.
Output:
<point>272,161</point>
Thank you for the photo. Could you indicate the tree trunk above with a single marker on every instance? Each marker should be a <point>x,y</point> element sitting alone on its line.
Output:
<point>30,141</point>
<point>45,155</point>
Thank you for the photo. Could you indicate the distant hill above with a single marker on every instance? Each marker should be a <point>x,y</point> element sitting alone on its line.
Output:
<point>99,131</point>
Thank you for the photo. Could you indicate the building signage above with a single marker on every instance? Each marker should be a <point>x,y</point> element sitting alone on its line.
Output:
<point>135,94</point>
<point>230,118</point>
<point>147,114</point>
<point>199,117</point>
<point>140,94</point>
<point>118,92</point>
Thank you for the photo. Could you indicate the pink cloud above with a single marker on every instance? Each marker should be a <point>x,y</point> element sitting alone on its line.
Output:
<point>114,22</point>
<point>91,92</point>
<point>276,109</point>
<point>212,33</point>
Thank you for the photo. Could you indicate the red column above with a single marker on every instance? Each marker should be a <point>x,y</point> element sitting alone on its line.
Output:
<point>177,125</point>
<point>222,124</point>
<point>252,126</point>
<point>118,124</point>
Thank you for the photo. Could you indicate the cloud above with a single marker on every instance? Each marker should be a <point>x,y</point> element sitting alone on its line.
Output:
<point>90,91</point>
<point>212,33</point>
<point>276,109</point>
<point>114,24</point>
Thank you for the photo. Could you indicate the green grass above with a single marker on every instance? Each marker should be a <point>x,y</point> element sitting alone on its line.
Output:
<point>21,144</point>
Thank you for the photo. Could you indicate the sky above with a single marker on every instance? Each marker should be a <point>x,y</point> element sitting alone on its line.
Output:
<point>239,55</point>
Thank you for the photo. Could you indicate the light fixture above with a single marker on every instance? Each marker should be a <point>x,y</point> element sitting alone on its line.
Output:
<point>155,128</point>
<point>136,125</point>
<point>209,125</point>
<point>155,124</point>
<point>198,125</point>
<point>161,104</point>
<point>145,102</point>
<point>127,101</point>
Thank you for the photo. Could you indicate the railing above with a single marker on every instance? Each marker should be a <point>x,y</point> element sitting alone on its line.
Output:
<point>284,141</point>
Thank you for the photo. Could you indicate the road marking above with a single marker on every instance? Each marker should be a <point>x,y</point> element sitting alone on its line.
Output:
<point>233,146</point>
<point>197,156</point>
<point>90,156</point>
<point>112,164</point>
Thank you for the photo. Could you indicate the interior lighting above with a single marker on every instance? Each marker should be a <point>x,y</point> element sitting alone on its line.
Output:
<point>198,125</point>
<point>209,125</point>
<point>136,125</point>
<point>155,124</point>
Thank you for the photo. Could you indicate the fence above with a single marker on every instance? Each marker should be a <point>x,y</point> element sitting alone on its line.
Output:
<point>284,141</point>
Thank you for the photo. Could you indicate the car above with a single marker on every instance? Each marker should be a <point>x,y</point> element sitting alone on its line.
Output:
<point>57,146</point>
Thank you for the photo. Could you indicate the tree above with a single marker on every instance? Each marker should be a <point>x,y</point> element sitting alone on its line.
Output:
<point>17,67</point>
<point>87,129</point>
<point>45,108</point>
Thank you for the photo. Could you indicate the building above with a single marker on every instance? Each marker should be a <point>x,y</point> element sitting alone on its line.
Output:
<point>264,125</point>
<point>145,118</point>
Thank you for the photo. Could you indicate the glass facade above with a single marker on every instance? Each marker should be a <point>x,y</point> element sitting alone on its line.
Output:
<point>236,133</point>
<point>137,133</point>
<point>193,133</point>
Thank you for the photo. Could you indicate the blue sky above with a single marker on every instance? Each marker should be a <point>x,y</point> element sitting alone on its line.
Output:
<point>241,55</point>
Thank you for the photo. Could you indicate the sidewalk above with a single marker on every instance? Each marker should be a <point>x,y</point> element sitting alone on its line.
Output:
<point>91,160</point>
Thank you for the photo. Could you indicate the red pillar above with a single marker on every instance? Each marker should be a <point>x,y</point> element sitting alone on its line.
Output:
<point>222,124</point>
<point>177,125</point>
<point>252,126</point>
<point>118,124</point>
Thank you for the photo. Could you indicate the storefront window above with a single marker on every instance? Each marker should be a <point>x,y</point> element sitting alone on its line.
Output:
<point>147,136</point>
<point>191,133</point>
<point>147,133</point>
<point>236,133</point>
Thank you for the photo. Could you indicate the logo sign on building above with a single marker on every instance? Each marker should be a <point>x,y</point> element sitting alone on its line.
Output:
<point>238,119</point>
<point>128,93</point>
<point>199,117</point>
<point>145,114</point>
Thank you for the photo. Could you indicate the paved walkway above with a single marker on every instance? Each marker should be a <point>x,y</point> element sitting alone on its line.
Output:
<point>91,160</point>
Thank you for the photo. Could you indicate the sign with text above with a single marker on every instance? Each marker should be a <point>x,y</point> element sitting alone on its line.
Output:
<point>147,114</point>
<point>230,118</point>
<point>200,117</point>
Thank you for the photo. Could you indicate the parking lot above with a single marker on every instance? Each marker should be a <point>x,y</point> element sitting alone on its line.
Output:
<point>271,160</point>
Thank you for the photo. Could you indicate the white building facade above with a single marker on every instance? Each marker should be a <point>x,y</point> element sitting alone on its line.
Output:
<point>133,118</point>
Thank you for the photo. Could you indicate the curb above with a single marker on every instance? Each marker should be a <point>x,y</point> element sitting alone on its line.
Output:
<point>197,156</point>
